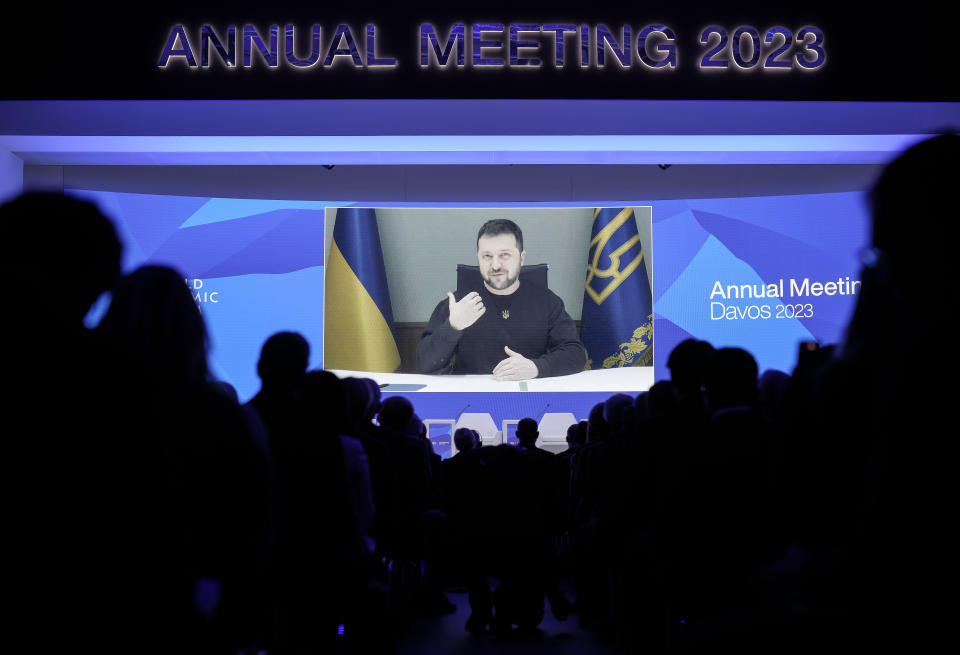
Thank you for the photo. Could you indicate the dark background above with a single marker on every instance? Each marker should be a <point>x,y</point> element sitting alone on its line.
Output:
<point>110,51</point>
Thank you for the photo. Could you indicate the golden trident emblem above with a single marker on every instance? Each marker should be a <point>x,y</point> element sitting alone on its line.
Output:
<point>612,272</point>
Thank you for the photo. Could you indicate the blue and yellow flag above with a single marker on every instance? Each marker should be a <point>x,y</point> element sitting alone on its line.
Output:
<point>617,322</point>
<point>358,320</point>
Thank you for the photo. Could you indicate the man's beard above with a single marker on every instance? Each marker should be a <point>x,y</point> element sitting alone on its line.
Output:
<point>505,282</point>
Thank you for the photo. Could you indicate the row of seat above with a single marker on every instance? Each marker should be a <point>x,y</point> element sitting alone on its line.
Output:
<point>552,427</point>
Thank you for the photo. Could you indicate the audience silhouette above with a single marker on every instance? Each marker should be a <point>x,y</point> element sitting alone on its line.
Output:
<point>191,496</point>
<point>720,509</point>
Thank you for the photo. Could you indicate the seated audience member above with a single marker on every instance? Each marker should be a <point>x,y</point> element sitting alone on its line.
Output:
<point>527,435</point>
<point>545,468</point>
<point>688,363</point>
<point>59,255</point>
<point>501,539</point>
<point>576,439</point>
<point>619,414</point>
<point>465,439</point>
<point>194,491</point>
<point>590,489</point>
<point>410,456</point>
<point>661,400</point>
<point>283,363</point>
<point>415,526</point>
<point>324,508</point>
<point>362,405</point>
<point>550,480</point>
<point>724,525</point>
<point>772,392</point>
<point>874,450</point>
<point>324,399</point>
<point>80,255</point>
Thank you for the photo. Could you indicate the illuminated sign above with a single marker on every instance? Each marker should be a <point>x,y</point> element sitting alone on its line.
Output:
<point>497,45</point>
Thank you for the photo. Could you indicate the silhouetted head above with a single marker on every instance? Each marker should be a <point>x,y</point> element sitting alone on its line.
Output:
<point>324,400</point>
<point>373,391</point>
<point>527,432</point>
<point>416,427</point>
<point>359,402</point>
<point>597,428</point>
<point>731,379</point>
<point>662,399</point>
<point>153,314</point>
<point>641,406</point>
<point>59,253</point>
<point>687,363</point>
<point>396,413</point>
<point>283,361</point>
<point>772,391</point>
<point>226,389</point>
<point>465,439</point>
<point>582,429</point>
<point>614,410</point>
<point>913,238</point>
<point>918,188</point>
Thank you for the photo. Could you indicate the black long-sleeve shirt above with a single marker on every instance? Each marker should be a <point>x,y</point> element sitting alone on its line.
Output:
<point>531,321</point>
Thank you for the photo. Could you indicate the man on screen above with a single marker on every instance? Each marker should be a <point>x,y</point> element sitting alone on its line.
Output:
<point>511,330</point>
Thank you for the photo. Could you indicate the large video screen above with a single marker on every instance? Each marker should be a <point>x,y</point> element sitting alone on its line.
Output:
<point>365,283</point>
<point>491,299</point>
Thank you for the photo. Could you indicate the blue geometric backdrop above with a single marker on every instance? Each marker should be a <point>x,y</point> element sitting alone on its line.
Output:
<point>751,241</point>
<point>263,260</point>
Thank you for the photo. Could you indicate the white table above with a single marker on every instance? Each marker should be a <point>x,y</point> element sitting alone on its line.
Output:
<point>615,379</point>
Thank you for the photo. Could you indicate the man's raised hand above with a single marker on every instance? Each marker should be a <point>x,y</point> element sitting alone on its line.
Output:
<point>465,313</point>
<point>515,367</point>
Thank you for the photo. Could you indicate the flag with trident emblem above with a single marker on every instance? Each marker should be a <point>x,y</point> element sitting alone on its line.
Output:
<point>617,321</point>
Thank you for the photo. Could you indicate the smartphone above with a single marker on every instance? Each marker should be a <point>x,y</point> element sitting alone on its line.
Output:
<point>812,355</point>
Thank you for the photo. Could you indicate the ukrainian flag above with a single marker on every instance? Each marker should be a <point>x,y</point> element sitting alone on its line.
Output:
<point>358,320</point>
<point>617,322</point>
